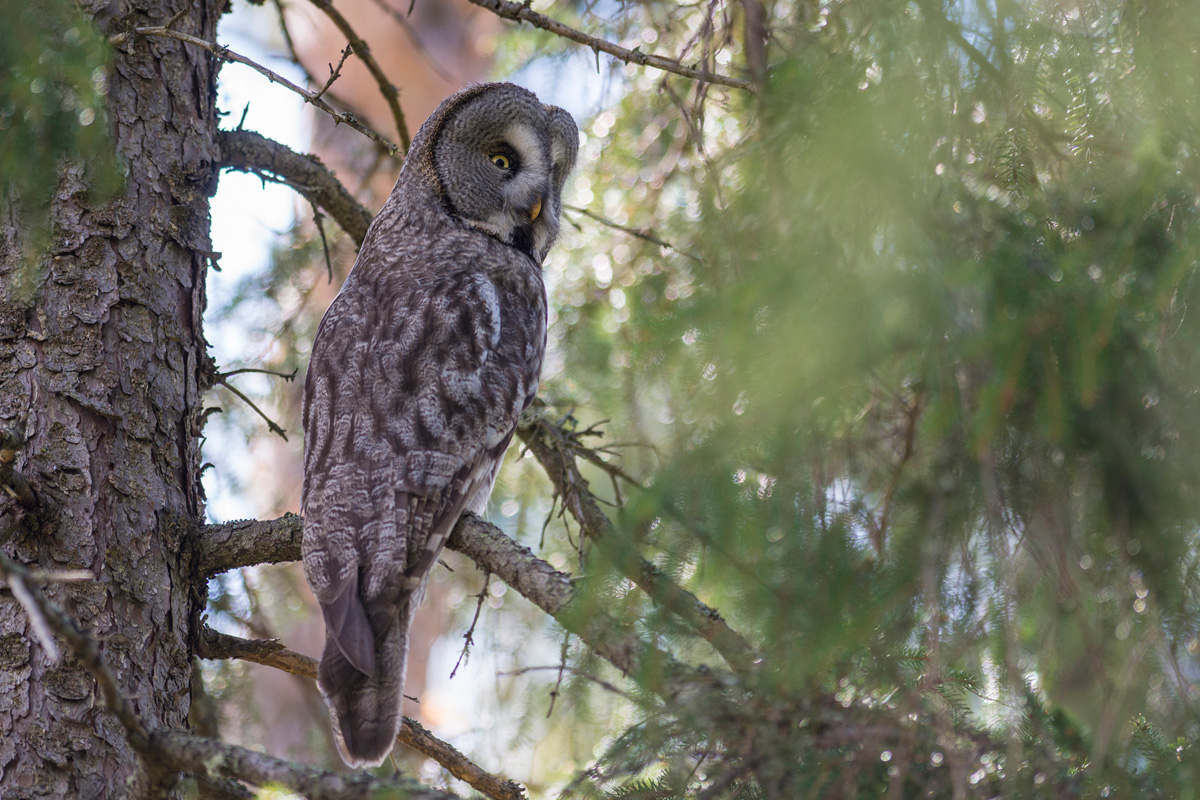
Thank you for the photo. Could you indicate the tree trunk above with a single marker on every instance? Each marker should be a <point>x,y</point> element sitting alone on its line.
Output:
<point>104,355</point>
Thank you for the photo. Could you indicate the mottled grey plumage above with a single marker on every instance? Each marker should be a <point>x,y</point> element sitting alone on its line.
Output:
<point>419,371</point>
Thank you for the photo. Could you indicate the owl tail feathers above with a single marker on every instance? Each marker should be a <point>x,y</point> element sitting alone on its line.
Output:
<point>365,709</point>
<point>347,627</point>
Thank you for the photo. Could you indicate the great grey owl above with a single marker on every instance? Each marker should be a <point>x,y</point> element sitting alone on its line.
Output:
<point>419,370</point>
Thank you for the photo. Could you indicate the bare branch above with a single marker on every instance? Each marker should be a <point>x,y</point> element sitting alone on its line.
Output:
<point>225,54</point>
<point>635,232</point>
<point>239,544</point>
<point>287,376</point>
<point>469,636</point>
<point>271,653</point>
<point>386,88</point>
<point>335,72</point>
<point>290,44</point>
<point>248,151</point>
<point>560,668</point>
<point>271,424</point>
<point>555,449</point>
<point>521,12</point>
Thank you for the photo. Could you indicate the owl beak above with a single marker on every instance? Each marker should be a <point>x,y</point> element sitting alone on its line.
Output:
<point>536,209</point>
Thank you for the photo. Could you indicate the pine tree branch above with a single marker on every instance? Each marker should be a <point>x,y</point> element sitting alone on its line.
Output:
<point>521,12</point>
<point>245,543</point>
<point>390,94</point>
<point>216,645</point>
<point>247,151</point>
<point>556,449</point>
<point>225,54</point>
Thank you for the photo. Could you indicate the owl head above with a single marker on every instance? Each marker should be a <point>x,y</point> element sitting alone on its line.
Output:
<point>497,158</point>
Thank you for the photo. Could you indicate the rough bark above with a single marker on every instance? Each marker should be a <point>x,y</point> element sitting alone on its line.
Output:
<point>106,359</point>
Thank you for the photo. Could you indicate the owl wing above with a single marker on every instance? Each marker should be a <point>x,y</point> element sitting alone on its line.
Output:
<point>408,410</point>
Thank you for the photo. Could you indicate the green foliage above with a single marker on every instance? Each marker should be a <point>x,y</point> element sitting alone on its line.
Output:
<point>52,104</point>
<point>920,373</point>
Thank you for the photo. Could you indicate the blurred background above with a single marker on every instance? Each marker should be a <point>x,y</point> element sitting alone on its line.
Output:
<point>895,347</point>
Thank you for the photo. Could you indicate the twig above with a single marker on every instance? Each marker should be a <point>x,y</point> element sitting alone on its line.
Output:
<point>469,635</point>
<point>559,668</point>
<point>386,87</point>
<point>216,645</point>
<point>878,530</point>
<point>251,152</point>
<point>287,376</point>
<point>295,59</point>
<point>319,221</point>
<point>271,425</point>
<point>225,54</point>
<point>636,232</point>
<point>335,72</point>
<point>555,449</point>
<point>521,12</point>
<point>562,667</point>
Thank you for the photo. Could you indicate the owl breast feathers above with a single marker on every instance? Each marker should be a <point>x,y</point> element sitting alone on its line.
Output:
<point>419,371</point>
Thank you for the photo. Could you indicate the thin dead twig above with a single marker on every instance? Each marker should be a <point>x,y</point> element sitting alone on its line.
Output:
<point>521,12</point>
<point>295,59</point>
<point>386,88</point>
<point>45,616</point>
<point>287,376</point>
<point>335,72</point>
<point>225,54</point>
<point>635,232</point>
<point>556,449</point>
<point>560,668</point>
<point>271,424</point>
<point>469,636</point>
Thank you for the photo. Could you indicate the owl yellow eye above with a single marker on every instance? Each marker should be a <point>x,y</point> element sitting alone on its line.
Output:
<point>501,161</point>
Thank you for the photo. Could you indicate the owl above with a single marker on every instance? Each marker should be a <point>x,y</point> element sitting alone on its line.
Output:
<point>419,370</point>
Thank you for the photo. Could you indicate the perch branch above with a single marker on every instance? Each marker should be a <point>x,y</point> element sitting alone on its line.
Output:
<point>555,449</point>
<point>239,544</point>
<point>521,12</point>
<point>225,54</point>
<point>271,653</point>
<point>386,88</point>
<point>247,151</point>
